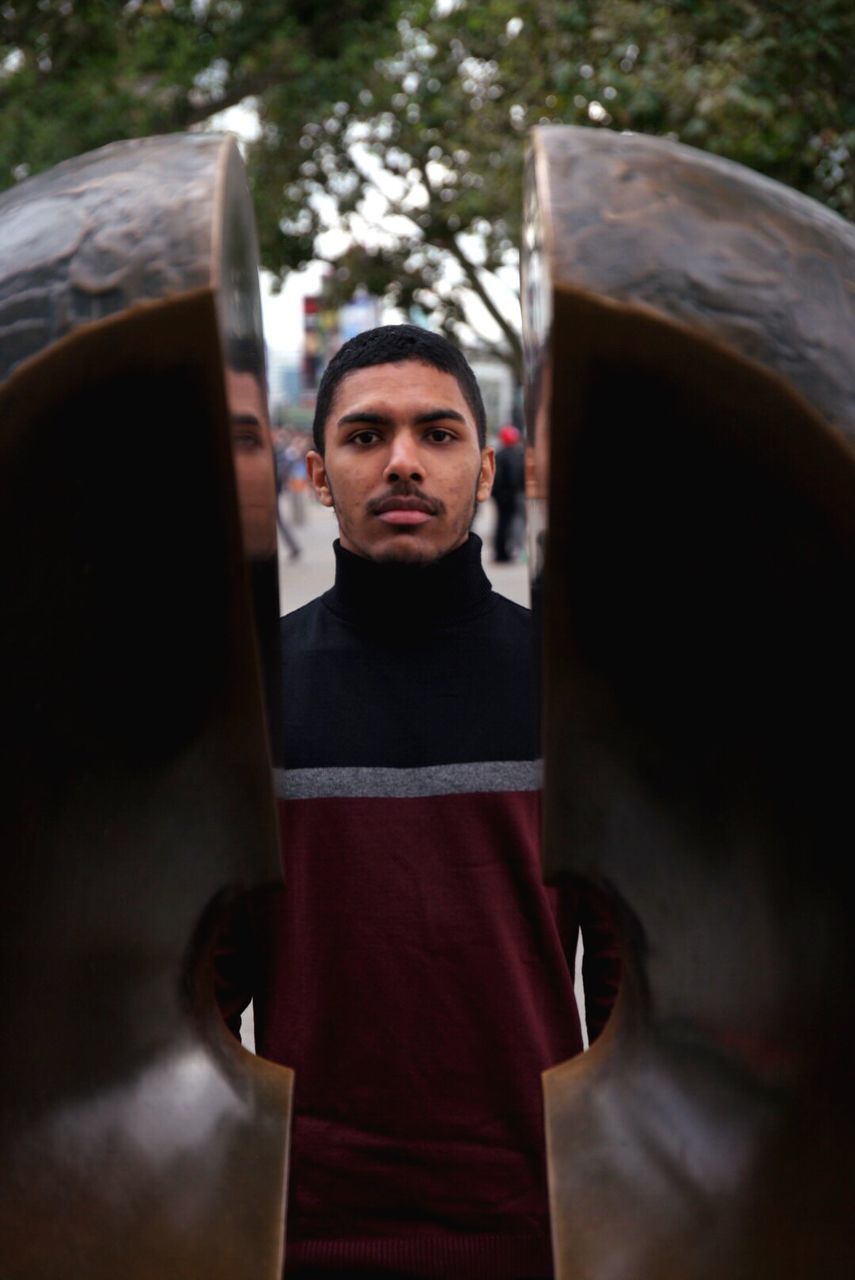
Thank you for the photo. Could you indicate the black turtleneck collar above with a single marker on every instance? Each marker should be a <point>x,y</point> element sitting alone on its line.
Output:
<point>368,593</point>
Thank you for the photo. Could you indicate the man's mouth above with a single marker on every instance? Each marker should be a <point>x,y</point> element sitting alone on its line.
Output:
<point>405,516</point>
<point>409,510</point>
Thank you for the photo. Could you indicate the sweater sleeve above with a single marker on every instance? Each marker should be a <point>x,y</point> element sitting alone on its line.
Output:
<point>234,965</point>
<point>584,910</point>
<point>601,962</point>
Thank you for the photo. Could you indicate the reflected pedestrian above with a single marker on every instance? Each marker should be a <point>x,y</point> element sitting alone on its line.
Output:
<point>509,496</point>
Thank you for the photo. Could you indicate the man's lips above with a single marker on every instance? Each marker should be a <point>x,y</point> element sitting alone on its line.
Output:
<point>405,515</point>
<point>409,511</point>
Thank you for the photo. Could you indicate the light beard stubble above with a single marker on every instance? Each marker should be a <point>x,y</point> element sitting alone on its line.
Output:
<point>405,490</point>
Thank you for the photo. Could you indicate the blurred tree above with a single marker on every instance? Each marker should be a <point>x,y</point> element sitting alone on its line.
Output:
<point>433,142</point>
<point>75,74</point>
<point>401,126</point>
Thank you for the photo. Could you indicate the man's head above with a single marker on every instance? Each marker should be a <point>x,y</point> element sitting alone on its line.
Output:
<point>393,344</point>
<point>252,450</point>
<point>401,429</point>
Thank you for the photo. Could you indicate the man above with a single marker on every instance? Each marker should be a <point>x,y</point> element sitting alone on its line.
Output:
<point>252,451</point>
<point>255,482</point>
<point>416,975</point>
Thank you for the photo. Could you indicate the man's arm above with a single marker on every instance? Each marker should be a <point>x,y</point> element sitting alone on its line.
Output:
<point>234,964</point>
<point>584,910</point>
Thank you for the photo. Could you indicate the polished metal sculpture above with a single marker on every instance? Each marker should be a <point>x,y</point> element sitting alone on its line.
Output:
<point>691,402</point>
<point>137,1138</point>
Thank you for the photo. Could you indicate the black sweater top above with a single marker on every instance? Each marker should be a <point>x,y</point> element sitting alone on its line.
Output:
<point>450,666</point>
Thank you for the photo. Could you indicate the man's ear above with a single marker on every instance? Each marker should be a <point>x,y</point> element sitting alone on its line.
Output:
<point>318,477</point>
<point>486,475</point>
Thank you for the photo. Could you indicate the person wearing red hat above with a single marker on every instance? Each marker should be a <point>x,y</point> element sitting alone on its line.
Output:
<point>508,494</point>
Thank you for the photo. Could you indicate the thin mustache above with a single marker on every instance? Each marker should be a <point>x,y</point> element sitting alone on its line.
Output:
<point>435,505</point>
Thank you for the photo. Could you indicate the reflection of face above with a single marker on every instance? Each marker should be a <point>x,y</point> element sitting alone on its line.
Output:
<point>252,451</point>
<point>402,465</point>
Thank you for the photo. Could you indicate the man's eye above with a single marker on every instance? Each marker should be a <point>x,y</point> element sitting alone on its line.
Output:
<point>439,435</point>
<point>363,437</point>
<point>246,441</point>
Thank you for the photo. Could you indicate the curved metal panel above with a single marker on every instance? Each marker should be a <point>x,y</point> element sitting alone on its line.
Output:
<point>698,692</point>
<point>137,1137</point>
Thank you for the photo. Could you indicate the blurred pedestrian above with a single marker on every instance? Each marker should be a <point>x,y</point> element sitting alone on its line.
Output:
<point>298,480</point>
<point>284,463</point>
<point>509,495</point>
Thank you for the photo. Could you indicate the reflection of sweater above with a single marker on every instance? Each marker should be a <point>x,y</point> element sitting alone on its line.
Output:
<point>417,979</point>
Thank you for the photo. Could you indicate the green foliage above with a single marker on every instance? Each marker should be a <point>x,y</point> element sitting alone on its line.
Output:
<point>413,115</point>
<point>75,74</point>
<point>440,126</point>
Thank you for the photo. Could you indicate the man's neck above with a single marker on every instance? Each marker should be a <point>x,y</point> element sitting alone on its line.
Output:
<point>381,592</point>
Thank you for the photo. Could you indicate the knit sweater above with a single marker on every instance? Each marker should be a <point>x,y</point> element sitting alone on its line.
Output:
<point>417,974</point>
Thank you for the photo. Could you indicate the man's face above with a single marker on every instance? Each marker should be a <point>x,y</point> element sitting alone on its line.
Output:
<point>402,465</point>
<point>252,452</point>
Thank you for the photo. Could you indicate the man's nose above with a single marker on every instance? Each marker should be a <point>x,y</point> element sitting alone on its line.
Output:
<point>404,461</point>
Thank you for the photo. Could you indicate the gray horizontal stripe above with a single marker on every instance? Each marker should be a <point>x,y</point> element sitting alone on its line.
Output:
<point>432,780</point>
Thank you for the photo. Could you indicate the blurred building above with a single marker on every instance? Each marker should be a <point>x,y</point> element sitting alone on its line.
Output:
<point>498,388</point>
<point>361,313</point>
<point>294,378</point>
<point>326,328</point>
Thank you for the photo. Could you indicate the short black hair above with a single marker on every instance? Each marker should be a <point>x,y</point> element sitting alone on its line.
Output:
<point>392,344</point>
<point>245,353</point>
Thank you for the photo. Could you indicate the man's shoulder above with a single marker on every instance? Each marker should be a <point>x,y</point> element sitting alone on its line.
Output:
<point>508,613</point>
<point>300,625</point>
<point>294,617</point>
<point>505,639</point>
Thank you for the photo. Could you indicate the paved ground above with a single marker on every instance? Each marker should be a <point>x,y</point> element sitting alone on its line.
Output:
<point>313,571</point>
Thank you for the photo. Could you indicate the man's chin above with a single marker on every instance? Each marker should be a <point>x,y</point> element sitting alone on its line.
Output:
<point>408,548</point>
<point>414,545</point>
<point>407,552</point>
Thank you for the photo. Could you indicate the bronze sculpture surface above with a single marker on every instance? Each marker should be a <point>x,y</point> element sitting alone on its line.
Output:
<point>137,1137</point>
<point>692,405</point>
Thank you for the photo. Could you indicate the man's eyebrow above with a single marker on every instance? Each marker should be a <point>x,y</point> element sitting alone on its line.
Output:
<point>438,415</point>
<point>382,419</point>
<point>245,419</point>
<point>363,415</point>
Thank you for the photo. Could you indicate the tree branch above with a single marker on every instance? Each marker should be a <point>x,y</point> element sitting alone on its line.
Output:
<point>470,270</point>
